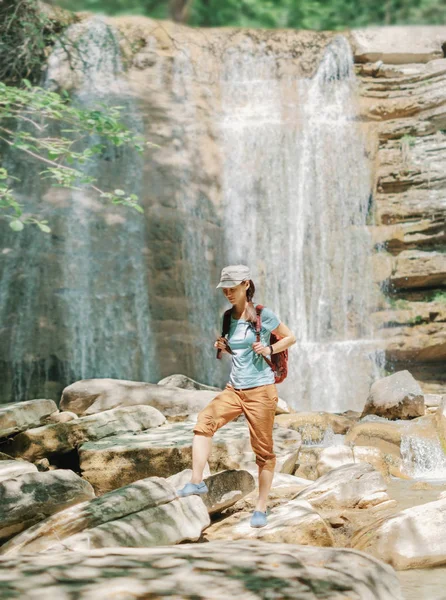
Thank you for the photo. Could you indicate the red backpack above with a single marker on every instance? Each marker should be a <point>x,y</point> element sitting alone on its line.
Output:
<point>278,362</point>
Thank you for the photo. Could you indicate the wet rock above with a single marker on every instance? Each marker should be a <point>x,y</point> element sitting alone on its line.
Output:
<point>349,486</point>
<point>225,488</point>
<point>29,498</point>
<point>19,416</point>
<point>245,569</point>
<point>411,539</point>
<point>384,435</point>
<point>397,396</point>
<point>337,456</point>
<point>91,396</point>
<point>118,460</point>
<point>9,469</point>
<point>142,514</point>
<point>62,437</point>
<point>185,383</point>
<point>295,522</point>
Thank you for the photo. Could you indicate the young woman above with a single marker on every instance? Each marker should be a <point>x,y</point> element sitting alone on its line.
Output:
<point>251,389</point>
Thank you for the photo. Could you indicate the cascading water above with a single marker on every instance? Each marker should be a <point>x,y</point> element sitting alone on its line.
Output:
<point>296,189</point>
<point>423,458</point>
<point>78,300</point>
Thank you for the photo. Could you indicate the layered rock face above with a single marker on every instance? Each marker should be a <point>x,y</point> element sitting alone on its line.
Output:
<point>402,78</point>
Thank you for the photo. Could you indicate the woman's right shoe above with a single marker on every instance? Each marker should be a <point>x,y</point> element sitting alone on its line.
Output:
<point>258,519</point>
<point>191,489</point>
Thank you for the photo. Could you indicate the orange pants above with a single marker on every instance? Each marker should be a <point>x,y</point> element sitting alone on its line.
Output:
<point>259,407</point>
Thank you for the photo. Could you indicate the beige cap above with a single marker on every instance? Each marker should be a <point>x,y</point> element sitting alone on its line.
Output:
<point>233,275</point>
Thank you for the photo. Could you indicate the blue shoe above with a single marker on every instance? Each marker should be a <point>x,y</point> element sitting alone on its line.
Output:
<point>258,519</point>
<point>191,489</point>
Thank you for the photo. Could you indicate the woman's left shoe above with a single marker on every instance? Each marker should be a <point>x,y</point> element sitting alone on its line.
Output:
<point>258,519</point>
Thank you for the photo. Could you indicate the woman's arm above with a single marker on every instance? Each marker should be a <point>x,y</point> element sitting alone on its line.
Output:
<point>282,331</point>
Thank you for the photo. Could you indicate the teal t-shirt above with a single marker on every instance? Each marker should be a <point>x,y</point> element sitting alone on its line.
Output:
<point>248,368</point>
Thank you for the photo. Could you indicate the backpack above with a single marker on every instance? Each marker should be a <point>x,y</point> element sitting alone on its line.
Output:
<point>279,361</point>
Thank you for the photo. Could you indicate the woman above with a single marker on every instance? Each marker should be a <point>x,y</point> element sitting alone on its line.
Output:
<point>251,389</point>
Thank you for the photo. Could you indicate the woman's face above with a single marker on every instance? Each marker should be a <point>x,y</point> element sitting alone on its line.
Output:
<point>236,294</point>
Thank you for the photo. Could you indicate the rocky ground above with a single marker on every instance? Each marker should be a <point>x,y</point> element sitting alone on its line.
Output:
<point>89,504</point>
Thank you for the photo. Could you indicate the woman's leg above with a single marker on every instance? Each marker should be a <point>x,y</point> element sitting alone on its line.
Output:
<point>201,448</point>
<point>224,408</point>
<point>260,408</point>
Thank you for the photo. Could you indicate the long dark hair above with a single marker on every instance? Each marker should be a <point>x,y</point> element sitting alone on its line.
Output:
<point>252,316</point>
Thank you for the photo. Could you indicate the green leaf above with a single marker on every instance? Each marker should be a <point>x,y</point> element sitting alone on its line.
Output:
<point>16,225</point>
<point>3,173</point>
<point>119,192</point>
<point>44,228</point>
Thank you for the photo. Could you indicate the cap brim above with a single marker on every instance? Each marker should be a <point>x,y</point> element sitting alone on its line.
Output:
<point>228,284</point>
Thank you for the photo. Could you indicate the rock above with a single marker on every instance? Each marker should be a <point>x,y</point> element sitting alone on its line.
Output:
<point>60,417</point>
<point>403,45</point>
<point>306,462</point>
<point>397,396</point>
<point>349,486</point>
<point>313,426</point>
<point>286,462</point>
<point>440,420</point>
<point>282,407</point>
<point>433,400</point>
<point>244,569</point>
<point>186,383</point>
<point>19,416</point>
<point>9,469</point>
<point>295,522</point>
<point>225,488</point>
<point>29,498</point>
<point>118,460</point>
<point>378,434</point>
<point>418,269</point>
<point>411,539</point>
<point>62,437</point>
<point>337,456</point>
<point>142,514</point>
<point>91,396</point>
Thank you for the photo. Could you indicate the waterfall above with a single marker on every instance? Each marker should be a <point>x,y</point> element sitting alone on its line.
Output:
<point>77,300</point>
<point>423,458</point>
<point>296,189</point>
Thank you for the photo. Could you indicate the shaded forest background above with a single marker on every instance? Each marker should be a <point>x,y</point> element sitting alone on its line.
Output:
<point>298,14</point>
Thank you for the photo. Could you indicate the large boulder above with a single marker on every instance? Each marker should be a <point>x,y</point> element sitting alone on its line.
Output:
<point>337,456</point>
<point>313,426</point>
<point>350,486</point>
<point>225,488</point>
<point>295,522</point>
<point>60,438</point>
<point>19,416</point>
<point>29,498</point>
<point>118,460</point>
<point>185,383</point>
<point>384,435</point>
<point>411,539</point>
<point>142,514</point>
<point>90,396</point>
<point>397,396</point>
<point>244,569</point>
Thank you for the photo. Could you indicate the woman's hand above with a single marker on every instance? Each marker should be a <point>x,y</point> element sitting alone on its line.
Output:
<point>259,348</point>
<point>221,344</point>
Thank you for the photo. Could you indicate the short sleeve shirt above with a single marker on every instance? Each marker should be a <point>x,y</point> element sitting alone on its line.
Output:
<point>248,368</point>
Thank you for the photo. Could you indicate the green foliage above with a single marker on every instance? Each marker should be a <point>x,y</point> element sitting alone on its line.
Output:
<point>299,14</point>
<point>63,157</point>
<point>439,297</point>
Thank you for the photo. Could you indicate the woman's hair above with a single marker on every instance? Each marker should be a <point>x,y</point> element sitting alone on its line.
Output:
<point>252,316</point>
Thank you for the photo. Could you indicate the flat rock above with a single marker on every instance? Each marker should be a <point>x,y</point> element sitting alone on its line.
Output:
<point>60,438</point>
<point>90,396</point>
<point>398,44</point>
<point>9,469</point>
<point>349,486</point>
<point>397,396</point>
<point>18,416</point>
<point>118,460</point>
<point>29,498</point>
<point>244,569</point>
<point>411,539</point>
<point>385,435</point>
<point>313,425</point>
<point>185,383</point>
<point>294,522</point>
<point>337,456</point>
<point>142,514</point>
<point>418,269</point>
<point>225,488</point>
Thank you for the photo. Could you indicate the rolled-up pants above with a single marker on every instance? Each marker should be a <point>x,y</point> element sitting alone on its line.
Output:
<point>258,404</point>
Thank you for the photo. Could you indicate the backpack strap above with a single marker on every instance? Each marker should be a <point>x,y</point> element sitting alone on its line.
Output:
<point>226,322</point>
<point>259,309</point>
